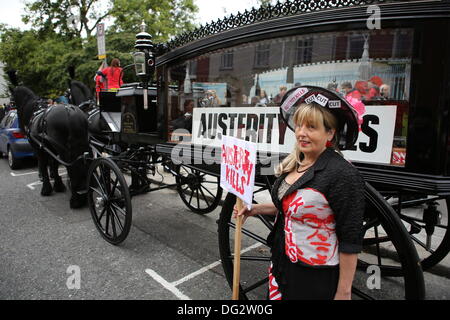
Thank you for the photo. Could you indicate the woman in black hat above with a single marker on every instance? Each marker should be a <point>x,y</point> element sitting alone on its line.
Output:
<point>318,199</point>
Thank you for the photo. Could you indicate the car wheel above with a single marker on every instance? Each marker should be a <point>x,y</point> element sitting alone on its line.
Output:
<point>12,161</point>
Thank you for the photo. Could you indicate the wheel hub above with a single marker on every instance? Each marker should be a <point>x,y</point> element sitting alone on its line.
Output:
<point>194,181</point>
<point>99,202</point>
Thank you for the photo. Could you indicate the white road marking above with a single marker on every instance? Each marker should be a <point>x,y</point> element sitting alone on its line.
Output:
<point>31,185</point>
<point>171,286</point>
<point>22,174</point>
<point>37,183</point>
<point>196,273</point>
<point>167,285</point>
<point>33,172</point>
<point>212,265</point>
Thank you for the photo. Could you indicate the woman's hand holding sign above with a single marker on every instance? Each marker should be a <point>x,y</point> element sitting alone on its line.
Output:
<point>261,208</point>
<point>244,212</point>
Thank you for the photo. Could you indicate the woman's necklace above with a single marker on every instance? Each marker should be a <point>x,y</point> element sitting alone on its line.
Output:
<point>306,168</point>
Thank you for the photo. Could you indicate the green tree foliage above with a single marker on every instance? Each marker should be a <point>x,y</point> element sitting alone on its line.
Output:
<point>34,58</point>
<point>78,18</point>
<point>164,19</point>
<point>71,18</point>
<point>43,55</point>
<point>42,63</point>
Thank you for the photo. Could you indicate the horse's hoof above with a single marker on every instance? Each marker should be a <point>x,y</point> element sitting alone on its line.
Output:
<point>78,202</point>
<point>46,190</point>
<point>59,186</point>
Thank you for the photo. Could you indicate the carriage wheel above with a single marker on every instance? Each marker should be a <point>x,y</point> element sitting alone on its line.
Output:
<point>426,219</point>
<point>199,191</point>
<point>109,200</point>
<point>255,263</point>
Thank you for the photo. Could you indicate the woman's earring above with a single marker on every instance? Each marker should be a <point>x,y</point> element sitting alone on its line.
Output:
<point>329,144</point>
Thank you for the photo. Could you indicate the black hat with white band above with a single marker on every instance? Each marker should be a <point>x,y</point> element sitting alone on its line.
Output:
<point>344,112</point>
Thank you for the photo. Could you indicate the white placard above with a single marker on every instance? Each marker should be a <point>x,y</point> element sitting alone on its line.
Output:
<point>262,125</point>
<point>374,144</point>
<point>268,130</point>
<point>237,168</point>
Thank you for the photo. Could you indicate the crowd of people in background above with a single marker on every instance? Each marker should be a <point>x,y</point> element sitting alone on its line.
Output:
<point>372,89</point>
<point>5,108</point>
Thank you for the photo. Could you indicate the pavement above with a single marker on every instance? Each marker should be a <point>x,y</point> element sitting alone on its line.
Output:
<point>48,251</point>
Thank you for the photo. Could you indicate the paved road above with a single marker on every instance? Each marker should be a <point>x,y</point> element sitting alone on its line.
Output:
<point>170,253</point>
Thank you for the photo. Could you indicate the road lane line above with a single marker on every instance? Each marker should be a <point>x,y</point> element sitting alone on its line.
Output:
<point>196,273</point>
<point>31,185</point>
<point>33,172</point>
<point>22,174</point>
<point>36,183</point>
<point>212,265</point>
<point>167,285</point>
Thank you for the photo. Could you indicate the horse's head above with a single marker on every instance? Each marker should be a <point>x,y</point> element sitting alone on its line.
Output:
<point>26,104</point>
<point>79,93</point>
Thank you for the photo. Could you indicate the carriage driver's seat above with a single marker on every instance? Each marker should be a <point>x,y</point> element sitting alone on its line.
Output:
<point>110,108</point>
<point>124,110</point>
<point>134,117</point>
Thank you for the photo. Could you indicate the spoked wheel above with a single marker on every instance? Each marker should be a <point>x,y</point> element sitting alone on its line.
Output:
<point>426,219</point>
<point>254,266</point>
<point>109,200</point>
<point>199,191</point>
<point>387,246</point>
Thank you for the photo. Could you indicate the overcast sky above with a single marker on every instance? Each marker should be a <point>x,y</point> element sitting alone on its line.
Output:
<point>12,10</point>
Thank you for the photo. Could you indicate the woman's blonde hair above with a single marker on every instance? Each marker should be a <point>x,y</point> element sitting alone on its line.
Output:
<point>313,114</point>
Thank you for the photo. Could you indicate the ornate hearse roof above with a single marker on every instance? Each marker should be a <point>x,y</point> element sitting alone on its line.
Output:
<point>265,13</point>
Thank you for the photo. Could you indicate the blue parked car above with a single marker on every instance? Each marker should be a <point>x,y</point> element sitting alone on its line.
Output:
<point>13,142</point>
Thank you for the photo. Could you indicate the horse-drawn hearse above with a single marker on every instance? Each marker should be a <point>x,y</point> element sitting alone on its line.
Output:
<point>391,58</point>
<point>391,55</point>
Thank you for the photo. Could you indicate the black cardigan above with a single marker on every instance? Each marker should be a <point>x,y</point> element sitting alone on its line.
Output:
<point>342,185</point>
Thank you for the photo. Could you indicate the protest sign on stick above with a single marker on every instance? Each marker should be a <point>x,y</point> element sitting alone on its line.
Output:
<point>237,175</point>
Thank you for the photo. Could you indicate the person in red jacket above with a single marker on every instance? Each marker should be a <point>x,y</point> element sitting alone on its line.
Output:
<point>113,75</point>
<point>100,81</point>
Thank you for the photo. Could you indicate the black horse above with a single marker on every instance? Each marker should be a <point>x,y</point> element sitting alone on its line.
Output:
<point>81,96</point>
<point>79,93</point>
<point>63,129</point>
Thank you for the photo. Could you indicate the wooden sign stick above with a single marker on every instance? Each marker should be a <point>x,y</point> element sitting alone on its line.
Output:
<point>237,251</point>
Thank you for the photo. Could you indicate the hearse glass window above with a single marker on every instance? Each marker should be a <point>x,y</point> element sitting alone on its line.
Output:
<point>371,68</point>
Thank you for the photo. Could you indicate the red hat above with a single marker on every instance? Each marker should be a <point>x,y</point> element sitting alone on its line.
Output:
<point>376,80</point>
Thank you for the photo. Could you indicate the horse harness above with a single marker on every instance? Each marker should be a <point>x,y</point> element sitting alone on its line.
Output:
<point>39,118</point>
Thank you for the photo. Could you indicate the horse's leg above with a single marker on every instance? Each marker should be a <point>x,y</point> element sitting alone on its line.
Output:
<point>43,164</point>
<point>58,186</point>
<point>77,175</point>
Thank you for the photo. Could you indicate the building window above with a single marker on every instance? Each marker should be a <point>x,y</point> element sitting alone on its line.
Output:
<point>226,61</point>
<point>356,46</point>
<point>304,51</point>
<point>262,55</point>
<point>402,45</point>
